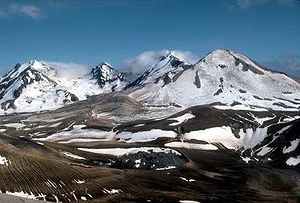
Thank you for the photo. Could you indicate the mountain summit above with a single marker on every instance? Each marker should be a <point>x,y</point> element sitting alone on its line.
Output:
<point>105,75</point>
<point>223,77</point>
<point>36,86</point>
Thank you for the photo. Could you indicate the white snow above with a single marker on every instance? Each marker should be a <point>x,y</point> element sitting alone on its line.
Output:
<point>261,120</point>
<point>112,191</point>
<point>294,145</point>
<point>80,140</point>
<point>22,194</point>
<point>54,125</point>
<point>181,119</point>
<point>166,168</point>
<point>187,180</point>
<point>222,135</point>
<point>78,134</point>
<point>240,107</point>
<point>292,161</point>
<point>246,159</point>
<point>138,163</point>
<point>188,201</point>
<point>72,155</point>
<point>3,161</point>
<point>2,130</point>
<point>250,139</point>
<point>264,150</point>
<point>40,143</point>
<point>191,145</point>
<point>284,129</point>
<point>139,125</point>
<point>14,125</point>
<point>79,181</point>
<point>125,151</point>
<point>49,183</point>
<point>144,136</point>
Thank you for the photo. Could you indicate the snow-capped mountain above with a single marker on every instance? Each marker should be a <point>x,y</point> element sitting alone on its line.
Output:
<point>166,68</point>
<point>224,78</point>
<point>107,77</point>
<point>36,86</point>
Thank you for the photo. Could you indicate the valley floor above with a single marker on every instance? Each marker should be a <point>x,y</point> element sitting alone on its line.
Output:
<point>208,176</point>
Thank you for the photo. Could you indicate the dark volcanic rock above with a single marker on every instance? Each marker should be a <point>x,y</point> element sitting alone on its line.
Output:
<point>149,160</point>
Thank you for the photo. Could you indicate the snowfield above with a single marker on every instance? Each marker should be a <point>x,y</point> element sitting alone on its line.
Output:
<point>13,125</point>
<point>144,136</point>
<point>191,145</point>
<point>79,134</point>
<point>126,151</point>
<point>293,161</point>
<point>221,135</point>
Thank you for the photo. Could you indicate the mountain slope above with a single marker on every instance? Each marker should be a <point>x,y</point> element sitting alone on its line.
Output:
<point>222,77</point>
<point>35,86</point>
<point>168,65</point>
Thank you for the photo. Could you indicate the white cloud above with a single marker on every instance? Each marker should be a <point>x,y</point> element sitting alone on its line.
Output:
<point>288,63</point>
<point>68,70</point>
<point>148,59</point>
<point>250,3</point>
<point>29,10</point>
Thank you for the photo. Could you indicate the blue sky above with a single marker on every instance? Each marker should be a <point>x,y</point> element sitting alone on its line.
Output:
<point>90,31</point>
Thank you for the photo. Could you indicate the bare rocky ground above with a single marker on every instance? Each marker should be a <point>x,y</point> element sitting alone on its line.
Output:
<point>40,167</point>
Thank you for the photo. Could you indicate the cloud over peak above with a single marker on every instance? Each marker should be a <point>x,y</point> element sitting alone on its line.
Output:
<point>148,59</point>
<point>289,63</point>
<point>68,69</point>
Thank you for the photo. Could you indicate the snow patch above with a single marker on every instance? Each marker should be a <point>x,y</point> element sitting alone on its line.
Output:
<point>3,161</point>
<point>22,194</point>
<point>221,135</point>
<point>144,136</point>
<point>294,145</point>
<point>181,119</point>
<point>78,132</point>
<point>111,191</point>
<point>79,181</point>
<point>139,125</point>
<point>165,168</point>
<point>264,150</point>
<point>246,159</point>
<point>126,151</point>
<point>192,145</point>
<point>14,125</point>
<point>72,155</point>
<point>292,161</point>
